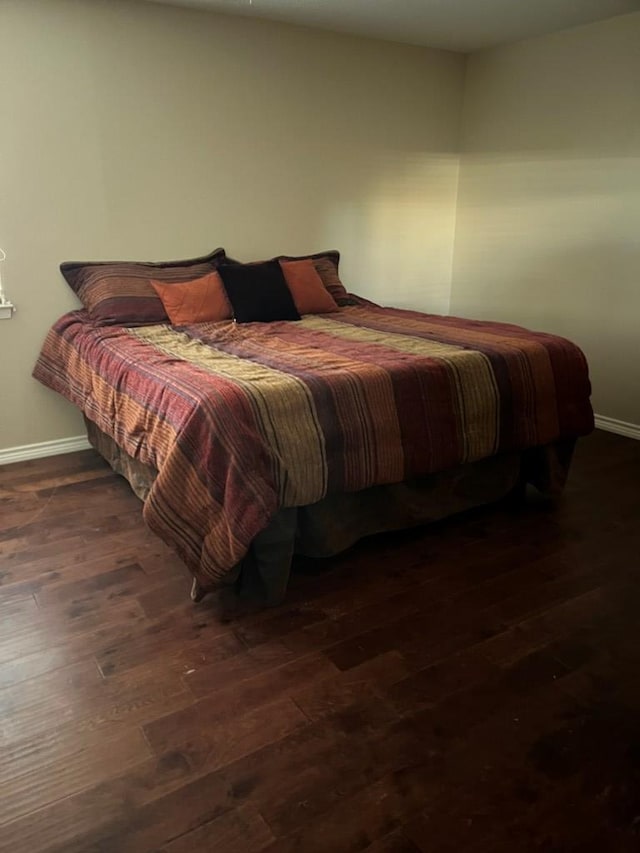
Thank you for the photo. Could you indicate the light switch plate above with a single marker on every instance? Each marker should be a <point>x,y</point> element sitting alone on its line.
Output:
<point>6,311</point>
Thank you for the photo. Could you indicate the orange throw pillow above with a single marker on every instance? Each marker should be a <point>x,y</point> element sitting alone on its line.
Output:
<point>199,301</point>
<point>307,289</point>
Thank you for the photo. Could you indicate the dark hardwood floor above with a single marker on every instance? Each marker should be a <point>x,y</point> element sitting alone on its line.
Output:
<point>471,686</point>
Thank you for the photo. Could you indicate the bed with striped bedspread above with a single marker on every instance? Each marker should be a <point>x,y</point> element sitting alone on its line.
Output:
<point>241,420</point>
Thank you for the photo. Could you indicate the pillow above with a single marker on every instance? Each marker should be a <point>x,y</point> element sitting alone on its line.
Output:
<point>199,301</point>
<point>307,289</point>
<point>326,264</point>
<point>258,292</point>
<point>120,292</point>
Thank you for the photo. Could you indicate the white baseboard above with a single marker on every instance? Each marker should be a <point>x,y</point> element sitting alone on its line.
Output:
<point>619,427</point>
<point>44,448</point>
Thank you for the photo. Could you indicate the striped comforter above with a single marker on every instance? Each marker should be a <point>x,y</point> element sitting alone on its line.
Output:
<point>240,420</point>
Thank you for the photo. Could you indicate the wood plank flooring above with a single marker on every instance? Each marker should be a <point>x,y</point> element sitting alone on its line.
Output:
<point>470,686</point>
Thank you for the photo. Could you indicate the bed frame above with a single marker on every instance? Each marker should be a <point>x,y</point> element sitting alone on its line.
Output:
<point>339,520</point>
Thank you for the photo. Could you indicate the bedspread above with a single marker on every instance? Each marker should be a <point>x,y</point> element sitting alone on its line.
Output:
<point>241,420</point>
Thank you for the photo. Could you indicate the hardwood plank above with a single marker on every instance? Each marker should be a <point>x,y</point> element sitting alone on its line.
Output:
<point>400,795</point>
<point>471,685</point>
<point>62,686</point>
<point>199,800</point>
<point>31,778</point>
<point>380,807</point>
<point>38,469</point>
<point>304,766</point>
<point>46,486</point>
<point>352,687</point>
<point>65,556</point>
<point>230,703</point>
<point>239,831</point>
<point>92,592</point>
<point>396,842</point>
<point>206,676</point>
<point>73,823</point>
<point>55,641</point>
<point>169,596</point>
<point>38,663</point>
<point>94,710</point>
<point>371,616</point>
<point>172,795</point>
<point>456,626</point>
<point>198,640</point>
<point>363,749</point>
<point>213,746</point>
<point>394,746</point>
<point>51,572</point>
<point>63,628</point>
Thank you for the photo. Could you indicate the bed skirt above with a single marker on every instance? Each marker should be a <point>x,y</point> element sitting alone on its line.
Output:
<point>339,520</point>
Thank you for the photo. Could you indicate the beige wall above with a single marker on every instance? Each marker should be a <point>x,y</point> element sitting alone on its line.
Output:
<point>141,131</point>
<point>548,218</point>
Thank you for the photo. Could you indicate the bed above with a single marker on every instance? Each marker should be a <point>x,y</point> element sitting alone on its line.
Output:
<point>249,442</point>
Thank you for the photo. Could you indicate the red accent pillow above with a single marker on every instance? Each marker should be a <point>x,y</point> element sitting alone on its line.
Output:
<point>199,301</point>
<point>326,264</point>
<point>307,288</point>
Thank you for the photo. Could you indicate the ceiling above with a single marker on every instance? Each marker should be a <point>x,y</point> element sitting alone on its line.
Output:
<point>462,25</point>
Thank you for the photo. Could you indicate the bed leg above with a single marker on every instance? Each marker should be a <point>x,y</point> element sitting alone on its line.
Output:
<point>197,592</point>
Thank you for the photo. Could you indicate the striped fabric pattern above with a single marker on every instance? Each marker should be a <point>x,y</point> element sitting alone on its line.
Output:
<point>120,292</point>
<point>240,420</point>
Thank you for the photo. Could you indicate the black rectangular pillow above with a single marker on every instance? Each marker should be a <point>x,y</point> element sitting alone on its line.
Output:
<point>258,293</point>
